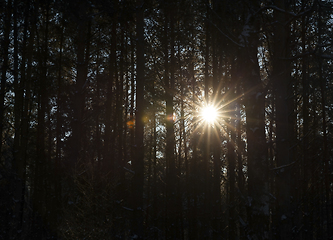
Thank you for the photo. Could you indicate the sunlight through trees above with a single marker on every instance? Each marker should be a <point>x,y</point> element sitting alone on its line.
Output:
<point>179,119</point>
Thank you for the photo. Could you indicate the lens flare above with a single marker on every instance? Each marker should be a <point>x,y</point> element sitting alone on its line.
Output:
<point>209,114</point>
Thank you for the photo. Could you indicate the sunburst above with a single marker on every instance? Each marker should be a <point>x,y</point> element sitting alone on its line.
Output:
<point>209,113</point>
<point>212,115</point>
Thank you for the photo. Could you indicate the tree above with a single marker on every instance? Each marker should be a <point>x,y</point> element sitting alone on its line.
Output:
<point>258,202</point>
<point>281,82</point>
<point>138,163</point>
<point>4,68</point>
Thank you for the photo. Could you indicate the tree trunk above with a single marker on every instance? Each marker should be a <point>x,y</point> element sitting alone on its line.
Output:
<point>138,164</point>
<point>82,44</point>
<point>20,120</point>
<point>216,146</point>
<point>119,166</point>
<point>108,152</point>
<point>39,195</point>
<point>231,157</point>
<point>26,111</point>
<point>240,166</point>
<point>169,82</point>
<point>257,163</point>
<point>305,158</point>
<point>323,87</point>
<point>281,80</point>
<point>192,168</point>
<point>59,132</point>
<point>4,68</point>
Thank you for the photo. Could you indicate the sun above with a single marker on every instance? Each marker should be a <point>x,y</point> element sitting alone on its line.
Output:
<point>209,114</point>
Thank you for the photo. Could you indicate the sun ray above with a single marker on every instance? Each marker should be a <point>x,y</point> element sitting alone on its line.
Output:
<point>210,115</point>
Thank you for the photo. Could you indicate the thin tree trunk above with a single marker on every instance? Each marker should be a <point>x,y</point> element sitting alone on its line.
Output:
<point>305,158</point>
<point>231,157</point>
<point>240,176</point>
<point>98,141</point>
<point>149,177</point>
<point>166,86</point>
<point>132,120</point>
<point>185,159</point>
<point>205,219</point>
<point>119,107</point>
<point>20,145</point>
<point>40,165</point>
<point>281,81</point>
<point>192,169</point>
<point>18,101</point>
<point>59,134</point>
<point>154,190</point>
<point>4,68</point>
<point>216,145</point>
<point>81,78</point>
<point>181,137</point>
<point>328,202</point>
<point>169,80</point>
<point>138,164</point>
<point>108,137</point>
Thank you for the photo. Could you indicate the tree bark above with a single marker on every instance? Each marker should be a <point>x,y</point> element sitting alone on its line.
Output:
<point>39,194</point>
<point>281,81</point>
<point>305,158</point>
<point>20,121</point>
<point>82,44</point>
<point>216,146</point>
<point>5,66</point>
<point>323,87</point>
<point>169,83</point>
<point>108,161</point>
<point>138,164</point>
<point>257,163</point>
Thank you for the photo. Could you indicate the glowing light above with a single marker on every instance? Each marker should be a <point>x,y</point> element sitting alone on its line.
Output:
<point>130,123</point>
<point>209,114</point>
<point>171,118</point>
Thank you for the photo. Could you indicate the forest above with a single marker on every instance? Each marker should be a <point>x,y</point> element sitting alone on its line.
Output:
<point>157,120</point>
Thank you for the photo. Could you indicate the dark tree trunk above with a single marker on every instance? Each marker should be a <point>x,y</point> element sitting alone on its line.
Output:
<point>240,166</point>
<point>138,164</point>
<point>119,103</point>
<point>207,134</point>
<point>192,168</point>
<point>82,44</point>
<point>39,194</point>
<point>323,87</point>
<point>231,157</point>
<point>216,145</point>
<point>169,83</point>
<point>281,80</point>
<point>305,157</point>
<point>26,111</point>
<point>4,67</point>
<point>257,163</point>
<point>154,214</point>
<point>133,91</point>
<point>20,121</point>
<point>108,152</point>
<point>180,142</point>
<point>7,13</point>
<point>59,131</point>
